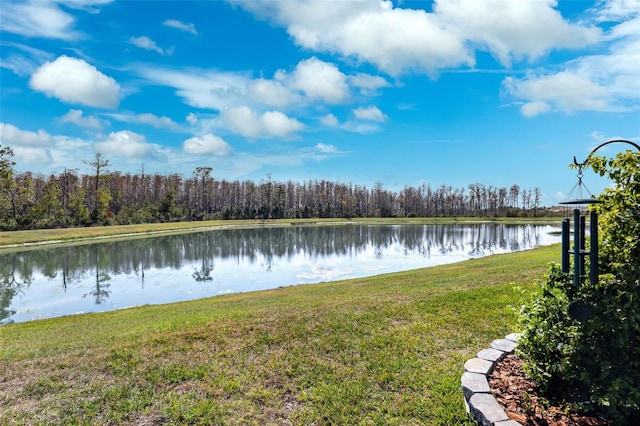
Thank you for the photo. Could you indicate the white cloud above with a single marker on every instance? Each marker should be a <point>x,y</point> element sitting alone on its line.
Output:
<point>192,118</point>
<point>23,60</point>
<point>75,81</point>
<point>218,90</point>
<point>371,113</point>
<point>313,78</point>
<point>31,155</point>
<point>617,69</point>
<point>19,64</point>
<point>245,121</point>
<point>329,149</point>
<point>360,127</point>
<point>207,144</point>
<point>599,137</point>
<point>329,120</point>
<point>183,26</point>
<point>202,88</point>
<point>37,19</point>
<point>319,152</point>
<point>613,10</point>
<point>604,81</point>
<point>87,5</point>
<point>144,42</point>
<point>54,152</point>
<point>514,29</point>
<point>78,118</point>
<point>29,147</point>
<point>312,81</point>
<point>126,144</point>
<point>278,124</point>
<point>365,120</point>
<point>625,29</point>
<point>156,121</point>
<point>321,80</point>
<point>13,136</point>
<point>531,109</point>
<point>399,40</point>
<point>567,91</point>
<point>147,118</point>
<point>273,93</point>
<point>245,163</point>
<point>368,84</point>
<point>393,39</point>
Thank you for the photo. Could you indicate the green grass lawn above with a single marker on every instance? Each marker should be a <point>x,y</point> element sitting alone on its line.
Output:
<point>381,350</point>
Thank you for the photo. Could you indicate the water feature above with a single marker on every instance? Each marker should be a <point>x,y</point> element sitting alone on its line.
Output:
<point>65,280</point>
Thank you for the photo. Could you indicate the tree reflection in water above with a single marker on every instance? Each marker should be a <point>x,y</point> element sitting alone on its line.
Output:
<point>150,267</point>
<point>100,291</point>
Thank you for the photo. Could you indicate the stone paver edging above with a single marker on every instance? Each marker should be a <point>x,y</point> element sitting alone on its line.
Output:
<point>480,403</point>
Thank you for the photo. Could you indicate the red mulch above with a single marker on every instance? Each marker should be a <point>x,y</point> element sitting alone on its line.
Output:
<point>517,394</point>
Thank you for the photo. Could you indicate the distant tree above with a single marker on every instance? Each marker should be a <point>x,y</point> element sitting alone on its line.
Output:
<point>7,185</point>
<point>22,196</point>
<point>48,210</point>
<point>101,212</point>
<point>502,201</point>
<point>203,175</point>
<point>168,209</point>
<point>99,165</point>
<point>67,182</point>
<point>77,207</point>
<point>143,192</point>
<point>6,163</point>
<point>514,192</point>
<point>537,198</point>
<point>266,194</point>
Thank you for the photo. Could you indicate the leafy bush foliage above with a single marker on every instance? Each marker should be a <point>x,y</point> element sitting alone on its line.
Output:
<point>594,365</point>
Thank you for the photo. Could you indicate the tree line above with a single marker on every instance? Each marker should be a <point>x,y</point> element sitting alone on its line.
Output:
<point>31,200</point>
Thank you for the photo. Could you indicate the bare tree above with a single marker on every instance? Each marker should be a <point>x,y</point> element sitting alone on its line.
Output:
<point>514,192</point>
<point>99,164</point>
<point>203,174</point>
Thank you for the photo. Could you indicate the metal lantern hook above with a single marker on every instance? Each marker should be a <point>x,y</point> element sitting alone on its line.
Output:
<point>584,163</point>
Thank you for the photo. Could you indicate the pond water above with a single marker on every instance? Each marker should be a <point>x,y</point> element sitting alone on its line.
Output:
<point>56,281</point>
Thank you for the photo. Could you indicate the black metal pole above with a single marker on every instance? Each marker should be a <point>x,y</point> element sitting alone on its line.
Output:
<point>583,246</point>
<point>593,265</point>
<point>576,247</point>
<point>566,235</point>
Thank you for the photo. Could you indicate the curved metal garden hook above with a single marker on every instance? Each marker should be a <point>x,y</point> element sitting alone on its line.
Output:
<point>581,165</point>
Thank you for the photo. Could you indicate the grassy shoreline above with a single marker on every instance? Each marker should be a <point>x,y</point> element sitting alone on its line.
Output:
<point>387,349</point>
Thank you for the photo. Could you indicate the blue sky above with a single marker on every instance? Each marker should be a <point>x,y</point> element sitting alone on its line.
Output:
<point>454,92</point>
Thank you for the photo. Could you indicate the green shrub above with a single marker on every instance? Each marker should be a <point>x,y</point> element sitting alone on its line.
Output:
<point>594,365</point>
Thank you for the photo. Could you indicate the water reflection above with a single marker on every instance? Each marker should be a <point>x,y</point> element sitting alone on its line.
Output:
<point>112,275</point>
